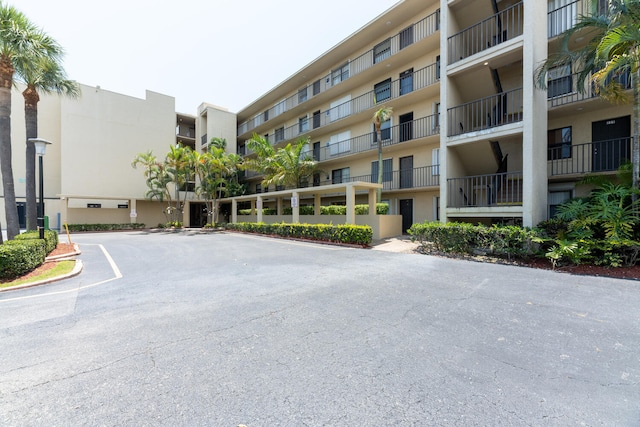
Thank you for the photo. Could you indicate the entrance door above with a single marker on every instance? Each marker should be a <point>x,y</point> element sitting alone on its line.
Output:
<point>406,172</point>
<point>406,210</point>
<point>406,127</point>
<point>611,143</point>
<point>197,215</point>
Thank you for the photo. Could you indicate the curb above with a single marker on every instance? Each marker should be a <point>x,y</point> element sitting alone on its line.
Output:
<point>77,269</point>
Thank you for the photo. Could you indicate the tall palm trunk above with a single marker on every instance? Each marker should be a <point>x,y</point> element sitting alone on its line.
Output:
<point>379,190</point>
<point>635,81</point>
<point>31,99</point>
<point>6,169</point>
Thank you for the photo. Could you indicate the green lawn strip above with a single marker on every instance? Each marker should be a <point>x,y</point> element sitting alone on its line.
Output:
<point>61,268</point>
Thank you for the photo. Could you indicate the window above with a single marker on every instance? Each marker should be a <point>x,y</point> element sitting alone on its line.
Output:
<point>406,37</point>
<point>338,176</point>
<point>438,67</point>
<point>303,124</point>
<point>406,82</point>
<point>385,131</point>
<point>560,81</point>
<point>387,173</point>
<point>316,87</point>
<point>258,188</point>
<point>302,95</point>
<point>556,198</point>
<point>340,109</point>
<point>562,15</point>
<point>316,119</point>
<point>382,91</point>
<point>266,115</point>
<point>382,51</point>
<point>279,108</point>
<point>340,74</point>
<point>435,161</point>
<point>339,143</point>
<point>279,134</point>
<point>436,117</point>
<point>559,143</point>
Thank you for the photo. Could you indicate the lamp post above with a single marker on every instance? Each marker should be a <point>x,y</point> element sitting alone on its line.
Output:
<point>41,148</point>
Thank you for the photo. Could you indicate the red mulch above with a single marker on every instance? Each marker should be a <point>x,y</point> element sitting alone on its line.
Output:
<point>61,249</point>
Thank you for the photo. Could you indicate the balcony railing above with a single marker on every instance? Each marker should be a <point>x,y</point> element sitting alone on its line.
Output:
<point>494,30</point>
<point>592,157</point>
<point>500,189</point>
<point>418,31</point>
<point>421,177</point>
<point>416,81</point>
<point>565,17</point>
<point>485,113</point>
<point>564,90</point>
<point>415,129</point>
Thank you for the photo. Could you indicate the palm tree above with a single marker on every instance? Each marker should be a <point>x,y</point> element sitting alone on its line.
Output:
<point>44,76</point>
<point>20,42</point>
<point>287,166</point>
<point>380,116</point>
<point>613,49</point>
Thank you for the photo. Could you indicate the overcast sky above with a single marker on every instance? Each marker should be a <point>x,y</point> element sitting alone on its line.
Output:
<point>224,52</point>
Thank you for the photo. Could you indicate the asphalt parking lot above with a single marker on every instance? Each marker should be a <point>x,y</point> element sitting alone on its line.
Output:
<point>225,329</point>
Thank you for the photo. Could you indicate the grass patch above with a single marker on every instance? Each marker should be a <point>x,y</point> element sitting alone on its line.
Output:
<point>60,268</point>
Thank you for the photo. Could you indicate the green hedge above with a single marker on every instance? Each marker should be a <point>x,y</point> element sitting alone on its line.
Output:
<point>50,238</point>
<point>18,257</point>
<point>463,238</point>
<point>342,233</point>
<point>381,209</point>
<point>105,227</point>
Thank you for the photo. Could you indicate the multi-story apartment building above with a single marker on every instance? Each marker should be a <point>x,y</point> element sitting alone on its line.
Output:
<point>471,137</point>
<point>88,176</point>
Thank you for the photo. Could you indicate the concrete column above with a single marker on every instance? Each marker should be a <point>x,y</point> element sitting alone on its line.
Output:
<point>259,208</point>
<point>372,202</point>
<point>234,211</point>
<point>295,205</point>
<point>279,205</point>
<point>534,148</point>
<point>317,200</point>
<point>133,210</point>
<point>351,204</point>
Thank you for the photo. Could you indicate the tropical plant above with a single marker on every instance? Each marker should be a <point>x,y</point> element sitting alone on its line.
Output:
<point>379,117</point>
<point>287,166</point>
<point>43,76</point>
<point>612,50</point>
<point>21,42</point>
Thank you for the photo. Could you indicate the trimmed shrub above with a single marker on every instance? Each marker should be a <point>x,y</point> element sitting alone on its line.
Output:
<point>50,238</point>
<point>105,227</point>
<point>381,209</point>
<point>18,257</point>
<point>342,233</point>
<point>463,238</point>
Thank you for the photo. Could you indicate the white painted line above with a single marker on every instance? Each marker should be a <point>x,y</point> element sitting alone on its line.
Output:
<point>114,268</point>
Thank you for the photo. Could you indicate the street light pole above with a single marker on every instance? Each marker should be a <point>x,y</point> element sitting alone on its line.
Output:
<point>41,147</point>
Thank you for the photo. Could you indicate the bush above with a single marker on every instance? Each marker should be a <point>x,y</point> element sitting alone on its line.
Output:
<point>342,233</point>
<point>381,209</point>
<point>463,238</point>
<point>18,257</point>
<point>105,227</point>
<point>50,238</point>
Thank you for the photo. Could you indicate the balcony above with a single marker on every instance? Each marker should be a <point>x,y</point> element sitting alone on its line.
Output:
<point>500,189</point>
<point>407,84</point>
<point>566,17</point>
<point>484,35</point>
<point>413,34</point>
<point>405,132</point>
<point>563,89</point>
<point>592,157</point>
<point>485,113</point>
